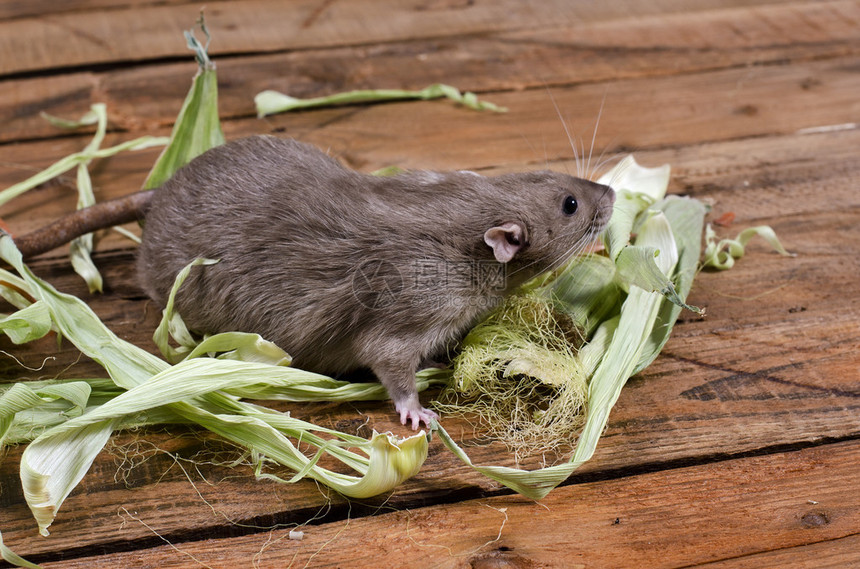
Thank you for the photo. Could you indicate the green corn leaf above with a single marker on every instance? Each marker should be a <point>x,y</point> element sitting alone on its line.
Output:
<point>630,176</point>
<point>242,346</point>
<point>14,289</point>
<point>637,319</point>
<point>88,119</point>
<point>388,171</point>
<point>271,102</point>
<point>627,207</point>
<point>638,265</point>
<point>686,217</point>
<point>636,187</point>
<point>73,160</point>
<point>197,127</point>
<point>126,364</point>
<point>81,247</point>
<point>587,289</point>
<point>11,557</point>
<point>61,399</point>
<point>204,391</point>
<point>171,324</point>
<point>18,398</point>
<point>28,324</point>
<point>228,345</point>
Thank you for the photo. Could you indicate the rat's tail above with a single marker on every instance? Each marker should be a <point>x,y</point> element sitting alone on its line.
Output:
<point>102,215</point>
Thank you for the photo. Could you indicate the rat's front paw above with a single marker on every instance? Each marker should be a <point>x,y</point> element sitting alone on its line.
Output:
<point>412,412</point>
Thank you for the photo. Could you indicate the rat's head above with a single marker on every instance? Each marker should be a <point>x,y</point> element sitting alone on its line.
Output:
<point>548,217</point>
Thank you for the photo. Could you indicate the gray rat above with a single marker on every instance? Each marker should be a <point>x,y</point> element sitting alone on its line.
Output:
<point>345,270</point>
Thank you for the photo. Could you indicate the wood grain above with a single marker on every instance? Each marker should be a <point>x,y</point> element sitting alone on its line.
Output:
<point>738,381</point>
<point>727,104</point>
<point>580,52</point>
<point>736,448</point>
<point>829,554</point>
<point>675,518</point>
<point>151,31</point>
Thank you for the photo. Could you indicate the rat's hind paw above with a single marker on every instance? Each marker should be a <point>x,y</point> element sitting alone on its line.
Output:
<point>412,412</point>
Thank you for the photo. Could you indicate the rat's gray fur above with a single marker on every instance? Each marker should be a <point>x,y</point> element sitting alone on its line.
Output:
<point>345,270</point>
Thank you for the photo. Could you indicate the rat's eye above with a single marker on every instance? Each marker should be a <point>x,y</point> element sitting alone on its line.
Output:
<point>569,205</point>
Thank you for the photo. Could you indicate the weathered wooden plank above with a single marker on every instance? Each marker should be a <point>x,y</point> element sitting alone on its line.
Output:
<point>720,105</point>
<point>684,517</point>
<point>149,32</point>
<point>773,366</point>
<point>706,394</point>
<point>578,53</point>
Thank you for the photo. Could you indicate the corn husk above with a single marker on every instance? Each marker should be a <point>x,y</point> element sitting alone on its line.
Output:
<point>200,390</point>
<point>643,282</point>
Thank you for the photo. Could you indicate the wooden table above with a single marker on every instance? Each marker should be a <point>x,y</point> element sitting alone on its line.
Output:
<point>740,445</point>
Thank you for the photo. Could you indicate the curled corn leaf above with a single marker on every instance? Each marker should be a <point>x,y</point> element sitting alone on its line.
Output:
<point>28,324</point>
<point>228,345</point>
<point>11,557</point>
<point>722,254</point>
<point>173,326</point>
<point>81,247</point>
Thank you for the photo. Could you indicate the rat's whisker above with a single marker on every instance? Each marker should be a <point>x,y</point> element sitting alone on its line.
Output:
<point>570,138</point>
<point>594,136</point>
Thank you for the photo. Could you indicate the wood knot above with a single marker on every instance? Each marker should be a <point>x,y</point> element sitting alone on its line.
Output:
<point>746,110</point>
<point>814,520</point>
<point>809,83</point>
<point>501,558</point>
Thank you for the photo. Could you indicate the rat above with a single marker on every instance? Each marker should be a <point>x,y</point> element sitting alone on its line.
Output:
<point>346,270</point>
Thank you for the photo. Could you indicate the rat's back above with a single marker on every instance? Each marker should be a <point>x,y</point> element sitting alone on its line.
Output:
<point>261,206</point>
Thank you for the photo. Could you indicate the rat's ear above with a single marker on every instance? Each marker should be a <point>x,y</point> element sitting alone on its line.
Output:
<point>506,240</point>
